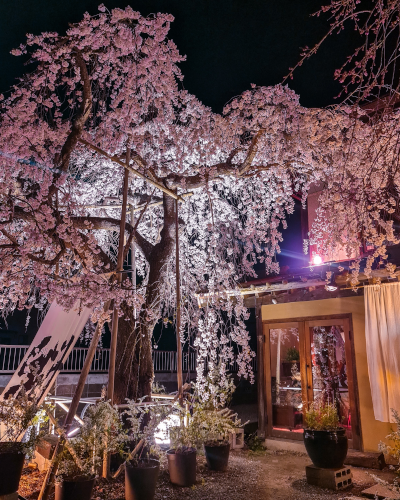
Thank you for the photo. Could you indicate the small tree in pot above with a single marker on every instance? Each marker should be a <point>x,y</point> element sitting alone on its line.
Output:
<point>101,433</point>
<point>214,427</point>
<point>142,466</point>
<point>324,439</point>
<point>18,437</point>
<point>182,455</point>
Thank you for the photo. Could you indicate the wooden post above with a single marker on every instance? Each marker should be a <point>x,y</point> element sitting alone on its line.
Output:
<point>120,265</point>
<point>133,259</point>
<point>178,309</point>
<point>51,473</point>
<point>260,370</point>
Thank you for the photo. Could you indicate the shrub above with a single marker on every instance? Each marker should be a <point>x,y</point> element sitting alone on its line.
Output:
<point>322,417</point>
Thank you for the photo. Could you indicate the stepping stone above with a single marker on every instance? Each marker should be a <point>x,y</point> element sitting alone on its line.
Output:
<point>367,460</point>
<point>381,492</point>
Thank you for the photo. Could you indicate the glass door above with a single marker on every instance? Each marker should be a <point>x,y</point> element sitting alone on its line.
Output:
<point>285,386</point>
<point>305,362</point>
<point>329,369</point>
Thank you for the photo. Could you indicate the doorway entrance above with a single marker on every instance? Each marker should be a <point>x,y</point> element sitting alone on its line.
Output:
<point>306,361</point>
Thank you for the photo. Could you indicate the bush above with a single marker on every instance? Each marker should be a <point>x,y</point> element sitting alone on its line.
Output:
<point>323,417</point>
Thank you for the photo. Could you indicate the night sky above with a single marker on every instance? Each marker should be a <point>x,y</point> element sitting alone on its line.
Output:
<point>229,44</point>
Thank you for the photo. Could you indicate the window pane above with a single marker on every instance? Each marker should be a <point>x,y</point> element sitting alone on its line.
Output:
<point>285,379</point>
<point>329,370</point>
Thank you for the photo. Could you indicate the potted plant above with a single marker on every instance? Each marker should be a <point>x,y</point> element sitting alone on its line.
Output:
<point>324,439</point>
<point>19,418</point>
<point>182,456</point>
<point>214,427</point>
<point>101,433</point>
<point>292,358</point>
<point>142,465</point>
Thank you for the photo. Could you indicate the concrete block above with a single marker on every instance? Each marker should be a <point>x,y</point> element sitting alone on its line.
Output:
<point>333,479</point>
<point>236,439</point>
<point>42,463</point>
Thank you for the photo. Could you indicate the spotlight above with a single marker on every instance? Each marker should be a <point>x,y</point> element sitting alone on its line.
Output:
<point>274,301</point>
<point>317,260</point>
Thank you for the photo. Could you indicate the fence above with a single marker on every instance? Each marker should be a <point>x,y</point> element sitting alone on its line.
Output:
<point>164,361</point>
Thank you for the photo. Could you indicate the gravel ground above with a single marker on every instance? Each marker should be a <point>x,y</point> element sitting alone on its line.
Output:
<point>269,475</point>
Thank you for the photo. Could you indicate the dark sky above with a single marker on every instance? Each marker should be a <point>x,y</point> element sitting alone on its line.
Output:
<point>229,43</point>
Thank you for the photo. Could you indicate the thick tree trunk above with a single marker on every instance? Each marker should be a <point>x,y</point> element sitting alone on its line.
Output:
<point>134,365</point>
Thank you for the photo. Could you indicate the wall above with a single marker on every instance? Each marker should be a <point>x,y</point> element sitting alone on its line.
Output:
<point>372,430</point>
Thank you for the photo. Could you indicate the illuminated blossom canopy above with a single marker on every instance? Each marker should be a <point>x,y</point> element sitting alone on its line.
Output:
<point>113,82</point>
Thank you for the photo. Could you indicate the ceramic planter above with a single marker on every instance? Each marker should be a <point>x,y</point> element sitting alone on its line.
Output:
<point>327,449</point>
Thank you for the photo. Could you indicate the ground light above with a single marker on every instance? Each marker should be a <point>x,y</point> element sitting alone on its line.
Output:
<point>161,434</point>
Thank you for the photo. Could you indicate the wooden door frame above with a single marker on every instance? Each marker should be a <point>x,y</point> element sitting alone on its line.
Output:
<point>264,374</point>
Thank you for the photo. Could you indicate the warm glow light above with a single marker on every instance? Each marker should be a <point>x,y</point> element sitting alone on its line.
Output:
<point>161,434</point>
<point>317,260</point>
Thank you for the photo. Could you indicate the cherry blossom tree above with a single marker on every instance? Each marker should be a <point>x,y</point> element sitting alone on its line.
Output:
<point>360,205</point>
<point>109,90</point>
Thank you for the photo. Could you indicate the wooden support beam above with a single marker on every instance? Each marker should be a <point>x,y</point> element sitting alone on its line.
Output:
<point>178,309</point>
<point>131,169</point>
<point>51,473</point>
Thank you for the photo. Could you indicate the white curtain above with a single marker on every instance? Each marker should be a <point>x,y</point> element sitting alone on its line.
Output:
<point>382,332</point>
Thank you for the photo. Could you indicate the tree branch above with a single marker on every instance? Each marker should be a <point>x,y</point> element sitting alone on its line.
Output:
<point>109,223</point>
<point>251,152</point>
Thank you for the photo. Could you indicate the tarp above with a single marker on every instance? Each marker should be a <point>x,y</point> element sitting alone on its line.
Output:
<point>48,352</point>
<point>382,334</point>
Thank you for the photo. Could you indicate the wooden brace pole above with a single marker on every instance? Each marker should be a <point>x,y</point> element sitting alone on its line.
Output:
<point>178,310</point>
<point>51,473</point>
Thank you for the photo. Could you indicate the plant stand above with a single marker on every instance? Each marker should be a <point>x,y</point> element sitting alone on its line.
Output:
<point>333,479</point>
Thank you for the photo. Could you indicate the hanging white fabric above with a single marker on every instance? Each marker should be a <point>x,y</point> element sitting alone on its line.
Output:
<point>382,333</point>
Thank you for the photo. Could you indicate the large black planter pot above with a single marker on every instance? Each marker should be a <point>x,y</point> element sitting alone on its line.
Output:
<point>11,465</point>
<point>327,449</point>
<point>217,457</point>
<point>182,467</point>
<point>74,489</point>
<point>140,481</point>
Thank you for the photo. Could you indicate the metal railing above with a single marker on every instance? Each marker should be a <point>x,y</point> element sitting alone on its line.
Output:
<point>163,361</point>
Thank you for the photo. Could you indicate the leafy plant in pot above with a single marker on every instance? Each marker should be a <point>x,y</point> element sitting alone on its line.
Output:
<point>182,456</point>
<point>214,427</point>
<point>101,433</point>
<point>142,465</point>
<point>324,439</point>
<point>19,416</point>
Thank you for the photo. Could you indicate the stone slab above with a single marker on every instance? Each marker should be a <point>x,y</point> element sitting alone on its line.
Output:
<point>277,444</point>
<point>367,460</point>
<point>333,479</point>
<point>11,496</point>
<point>380,492</point>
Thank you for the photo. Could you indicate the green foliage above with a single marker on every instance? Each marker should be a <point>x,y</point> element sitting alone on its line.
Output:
<point>101,433</point>
<point>394,437</point>
<point>143,421</point>
<point>206,424</point>
<point>21,416</point>
<point>323,417</point>
<point>292,354</point>
<point>157,388</point>
<point>255,444</point>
